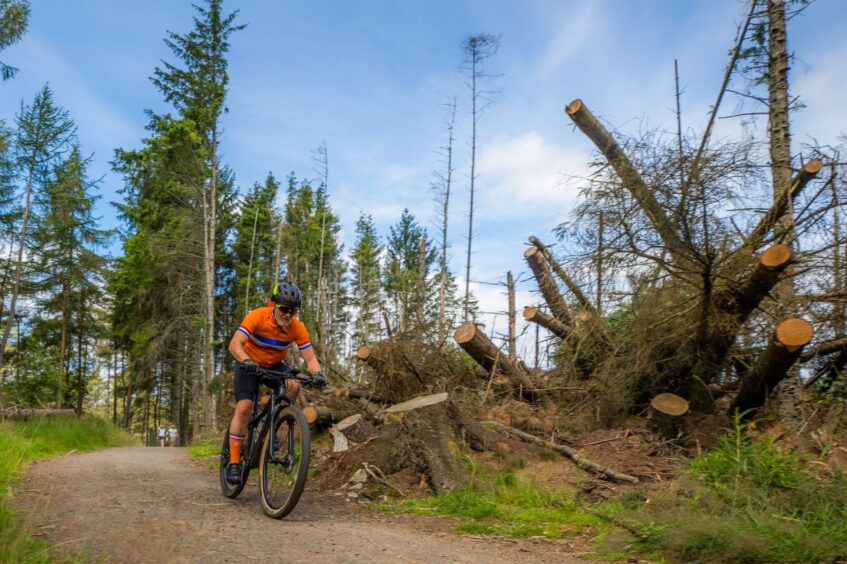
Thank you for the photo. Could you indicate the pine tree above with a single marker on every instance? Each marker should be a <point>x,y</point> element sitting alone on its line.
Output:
<point>69,270</point>
<point>198,90</point>
<point>44,132</point>
<point>365,281</point>
<point>14,17</point>
<point>410,257</point>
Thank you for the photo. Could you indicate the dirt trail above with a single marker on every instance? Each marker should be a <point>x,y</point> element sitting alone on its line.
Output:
<point>157,505</point>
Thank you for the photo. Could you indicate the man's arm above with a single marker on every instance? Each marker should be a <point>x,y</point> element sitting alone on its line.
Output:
<point>236,346</point>
<point>311,360</point>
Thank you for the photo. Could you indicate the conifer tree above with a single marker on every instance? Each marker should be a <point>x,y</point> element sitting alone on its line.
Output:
<point>365,281</point>
<point>43,133</point>
<point>69,270</point>
<point>14,17</point>
<point>410,257</point>
<point>197,89</point>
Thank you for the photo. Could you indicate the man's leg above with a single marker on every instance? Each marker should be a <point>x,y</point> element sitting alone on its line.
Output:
<point>245,386</point>
<point>238,429</point>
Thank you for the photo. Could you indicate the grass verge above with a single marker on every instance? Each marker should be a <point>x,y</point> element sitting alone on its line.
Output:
<point>22,442</point>
<point>507,505</point>
<point>752,502</point>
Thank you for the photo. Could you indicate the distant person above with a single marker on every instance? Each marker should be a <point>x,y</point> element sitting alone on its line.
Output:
<point>172,434</point>
<point>262,340</point>
<point>160,434</point>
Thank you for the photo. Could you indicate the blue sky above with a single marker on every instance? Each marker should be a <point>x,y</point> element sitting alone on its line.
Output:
<point>369,78</point>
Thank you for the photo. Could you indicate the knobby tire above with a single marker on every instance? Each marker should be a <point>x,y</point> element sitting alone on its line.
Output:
<point>281,486</point>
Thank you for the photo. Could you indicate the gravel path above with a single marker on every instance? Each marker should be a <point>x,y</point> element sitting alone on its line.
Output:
<point>157,505</point>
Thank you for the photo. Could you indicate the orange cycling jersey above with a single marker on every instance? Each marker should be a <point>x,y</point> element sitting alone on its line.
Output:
<point>267,343</point>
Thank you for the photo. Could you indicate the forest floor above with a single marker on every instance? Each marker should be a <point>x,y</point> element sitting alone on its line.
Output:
<point>159,505</point>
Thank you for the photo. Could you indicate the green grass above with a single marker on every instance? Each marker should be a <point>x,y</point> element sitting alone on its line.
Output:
<point>205,446</point>
<point>753,502</point>
<point>22,442</point>
<point>508,506</point>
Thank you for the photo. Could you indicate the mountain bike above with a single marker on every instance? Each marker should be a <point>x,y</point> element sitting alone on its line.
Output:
<point>281,455</point>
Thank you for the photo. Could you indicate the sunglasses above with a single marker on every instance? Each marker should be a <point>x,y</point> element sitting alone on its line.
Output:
<point>286,309</point>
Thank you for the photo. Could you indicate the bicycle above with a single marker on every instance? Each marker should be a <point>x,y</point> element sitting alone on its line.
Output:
<point>282,456</point>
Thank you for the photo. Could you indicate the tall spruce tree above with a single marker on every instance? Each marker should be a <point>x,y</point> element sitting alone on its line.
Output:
<point>69,269</point>
<point>14,17</point>
<point>44,132</point>
<point>365,281</point>
<point>254,247</point>
<point>311,230</point>
<point>198,89</point>
<point>157,283</point>
<point>410,257</point>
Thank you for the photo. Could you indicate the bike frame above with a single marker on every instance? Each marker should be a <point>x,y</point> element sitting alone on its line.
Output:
<point>267,412</point>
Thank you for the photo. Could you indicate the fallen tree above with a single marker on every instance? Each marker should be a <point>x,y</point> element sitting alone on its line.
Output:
<point>570,453</point>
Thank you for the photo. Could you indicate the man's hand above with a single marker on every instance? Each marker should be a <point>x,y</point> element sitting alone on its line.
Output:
<point>249,366</point>
<point>318,380</point>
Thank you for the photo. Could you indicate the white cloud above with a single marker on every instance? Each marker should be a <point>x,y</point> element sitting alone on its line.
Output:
<point>524,176</point>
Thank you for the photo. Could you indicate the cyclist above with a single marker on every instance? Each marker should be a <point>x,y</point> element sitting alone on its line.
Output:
<point>262,340</point>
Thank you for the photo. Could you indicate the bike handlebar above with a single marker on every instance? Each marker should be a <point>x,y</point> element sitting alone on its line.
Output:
<point>290,374</point>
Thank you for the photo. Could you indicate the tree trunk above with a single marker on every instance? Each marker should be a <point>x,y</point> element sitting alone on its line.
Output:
<point>555,301</point>
<point>603,140</point>
<point>572,454</point>
<point>510,284</point>
<point>550,323</point>
<point>426,434</point>
<point>477,344</point>
<point>773,364</point>
<point>18,267</point>
<point>665,419</point>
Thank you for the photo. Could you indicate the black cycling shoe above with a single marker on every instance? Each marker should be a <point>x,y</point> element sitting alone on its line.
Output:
<point>233,474</point>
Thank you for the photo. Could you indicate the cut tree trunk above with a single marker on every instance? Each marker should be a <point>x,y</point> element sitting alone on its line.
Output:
<point>625,170</point>
<point>557,304</point>
<point>549,322</point>
<point>742,300</point>
<point>666,411</point>
<point>773,364</point>
<point>589,314</point>
<point>319,416</point>
<point>572,454</point>
<point>355,393</point>
<point>477,344</point>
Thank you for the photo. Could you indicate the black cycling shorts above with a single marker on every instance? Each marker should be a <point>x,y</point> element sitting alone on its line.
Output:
<point>246,386</point>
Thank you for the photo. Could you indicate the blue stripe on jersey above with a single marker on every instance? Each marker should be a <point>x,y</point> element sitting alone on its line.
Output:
<point>269,343</point>
<point>306,346</point>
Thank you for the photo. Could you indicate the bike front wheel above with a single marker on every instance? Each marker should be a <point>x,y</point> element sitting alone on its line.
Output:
<point>284,462</point>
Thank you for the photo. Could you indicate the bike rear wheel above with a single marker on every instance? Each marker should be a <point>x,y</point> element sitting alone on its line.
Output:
<point>284,462</point>
<point>229,490</point>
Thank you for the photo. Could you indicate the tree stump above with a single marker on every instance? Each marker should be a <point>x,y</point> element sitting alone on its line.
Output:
<point>351,431</point>
<point>424,433</point>
<point>666,415</point>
